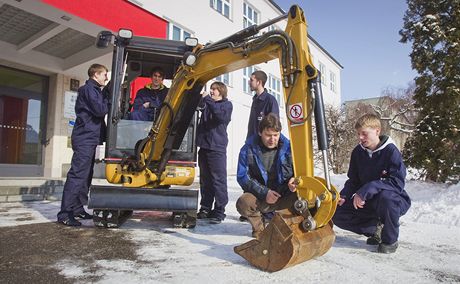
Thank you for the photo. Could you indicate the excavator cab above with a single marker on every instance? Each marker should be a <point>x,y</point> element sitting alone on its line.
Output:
<point>133,60</point>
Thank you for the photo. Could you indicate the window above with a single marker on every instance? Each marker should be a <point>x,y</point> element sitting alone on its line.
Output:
<point>274,88</point>
<point>332,81</point>
<point>322,69</point>
<point>273,28</point>
<point>246,76</point>
<point>177,33</point>
<point>221,6</point>
<point>224,78</point>
<point>250,16</point>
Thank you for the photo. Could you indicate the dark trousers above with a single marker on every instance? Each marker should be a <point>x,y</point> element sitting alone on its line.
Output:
<point>252,208</point>
<point>386,207</point>
<point>213,181</point>
<point>78,181</point>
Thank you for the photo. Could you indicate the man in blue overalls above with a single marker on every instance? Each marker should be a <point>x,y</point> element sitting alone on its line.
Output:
<point>263,103</point>
<point>89,131</point>
<point>149,99</point>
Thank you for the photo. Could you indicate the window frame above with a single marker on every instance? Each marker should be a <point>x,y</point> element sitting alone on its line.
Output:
<point>322,69</point>
<point>183,32</point>
<point>332,82</point>
<point>225,3</point>
<point>229,77</point>
<point>276,90</point>
<point>246,20</point>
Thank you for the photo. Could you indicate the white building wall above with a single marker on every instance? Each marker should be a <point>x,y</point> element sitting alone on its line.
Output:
<point>209,26</point>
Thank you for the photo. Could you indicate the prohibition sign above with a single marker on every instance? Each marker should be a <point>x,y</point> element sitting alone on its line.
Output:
<point>296,111</point>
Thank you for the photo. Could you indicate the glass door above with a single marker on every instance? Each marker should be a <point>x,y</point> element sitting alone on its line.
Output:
<point>23,98</point>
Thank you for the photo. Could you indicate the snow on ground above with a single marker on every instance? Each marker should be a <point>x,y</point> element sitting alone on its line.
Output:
<point>429,249</point>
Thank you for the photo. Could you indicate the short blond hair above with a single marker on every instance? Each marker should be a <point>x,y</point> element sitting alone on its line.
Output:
<point>368,120</point>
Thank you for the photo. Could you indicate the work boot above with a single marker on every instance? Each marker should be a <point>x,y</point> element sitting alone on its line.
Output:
<point>215,220</point>
<point>243,219</point>
<point>84,216</point>
<point>70,221</point>
<point>202,214</point>
<point>256,234</point>
<point>377,237</point>
<point>386,248</point>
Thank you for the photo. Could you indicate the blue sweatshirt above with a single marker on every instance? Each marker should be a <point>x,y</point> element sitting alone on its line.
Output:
<point>212,128</point>
<point>91,107</point>
<point>370,172</point>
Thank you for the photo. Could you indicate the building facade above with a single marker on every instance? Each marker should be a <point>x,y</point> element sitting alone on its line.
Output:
<point>47,46</point>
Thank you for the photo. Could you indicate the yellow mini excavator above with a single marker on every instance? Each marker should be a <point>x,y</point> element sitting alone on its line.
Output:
<point>150,159</point>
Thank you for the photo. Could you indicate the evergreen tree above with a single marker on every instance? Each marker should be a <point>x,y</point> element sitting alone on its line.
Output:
<point>433,27</point>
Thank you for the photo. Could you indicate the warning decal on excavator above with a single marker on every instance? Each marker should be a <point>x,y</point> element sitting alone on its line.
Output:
<point>296,113</point>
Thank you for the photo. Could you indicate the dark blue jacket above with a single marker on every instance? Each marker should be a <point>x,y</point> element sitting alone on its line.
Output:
<point>90,108</point>
<point>154,96</point>
<point>370,172</point>
<point>212,129</point>
<point>261,106</point>
<point>251,174</point>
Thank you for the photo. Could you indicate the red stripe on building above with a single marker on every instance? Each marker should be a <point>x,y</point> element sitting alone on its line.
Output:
<point>114,14</point>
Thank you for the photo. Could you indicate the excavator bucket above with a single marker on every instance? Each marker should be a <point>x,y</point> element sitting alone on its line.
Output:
<point>283,243</point>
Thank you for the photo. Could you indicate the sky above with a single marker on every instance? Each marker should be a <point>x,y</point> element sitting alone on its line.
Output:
<point>362,35</point>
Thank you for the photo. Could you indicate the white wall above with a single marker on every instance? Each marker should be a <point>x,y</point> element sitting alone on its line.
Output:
<point>209,26</point>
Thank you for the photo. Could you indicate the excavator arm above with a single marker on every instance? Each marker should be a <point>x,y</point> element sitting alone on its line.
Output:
<point>317,197</point>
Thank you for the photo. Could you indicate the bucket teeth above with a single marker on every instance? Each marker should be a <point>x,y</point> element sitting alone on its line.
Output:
<point>283,243</point>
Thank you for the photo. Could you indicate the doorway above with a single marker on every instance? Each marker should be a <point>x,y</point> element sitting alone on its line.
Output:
<point>23,98</point>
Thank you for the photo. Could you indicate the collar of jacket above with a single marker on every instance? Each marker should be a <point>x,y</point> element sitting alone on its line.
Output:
<point>384,141</point>
<point>262,96</point>
<point>149,86</point>
<point>93,82</point>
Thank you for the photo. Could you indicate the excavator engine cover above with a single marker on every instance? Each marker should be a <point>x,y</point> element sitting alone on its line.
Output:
<point>283,243</point>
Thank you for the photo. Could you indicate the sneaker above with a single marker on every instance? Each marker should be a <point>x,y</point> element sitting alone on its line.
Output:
<point>70,221</point>
<point>202,214</point>
<point>215,220</point>
<point>243,219</point>
<point>386,248</point>
<point>377,237</point>
<point>84,216</point>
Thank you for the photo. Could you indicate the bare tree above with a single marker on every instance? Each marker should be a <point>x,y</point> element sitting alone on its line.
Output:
<point>396,109</point>
<point>342,139</point>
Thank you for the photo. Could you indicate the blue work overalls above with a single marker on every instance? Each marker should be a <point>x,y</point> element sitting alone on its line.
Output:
<point>212,139</point>
<point>89,131</point>
<point>378,178</point>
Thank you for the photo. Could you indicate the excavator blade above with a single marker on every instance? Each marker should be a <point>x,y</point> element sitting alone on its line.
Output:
<point>114,204</point>
<point>283,243</point>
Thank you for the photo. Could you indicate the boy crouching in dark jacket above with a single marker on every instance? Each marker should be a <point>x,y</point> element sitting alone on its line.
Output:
<point>373,198</point>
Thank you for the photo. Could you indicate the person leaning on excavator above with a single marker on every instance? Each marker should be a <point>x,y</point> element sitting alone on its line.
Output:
<point>265,173</point>
<point>91,107</point>
<point>149,99</point>
<point>373,198</point>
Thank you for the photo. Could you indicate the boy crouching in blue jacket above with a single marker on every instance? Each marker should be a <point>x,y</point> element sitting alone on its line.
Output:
<point>373,197</point>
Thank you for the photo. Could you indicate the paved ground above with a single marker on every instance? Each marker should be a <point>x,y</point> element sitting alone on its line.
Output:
<point>29,252</point>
